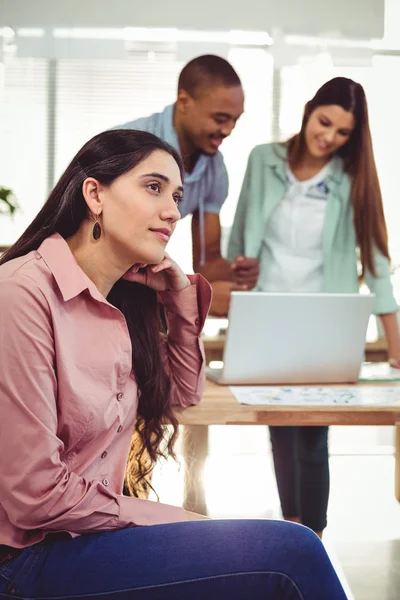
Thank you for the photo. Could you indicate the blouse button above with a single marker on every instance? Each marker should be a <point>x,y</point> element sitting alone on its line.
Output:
<point>119,429</point>
<point>105,482</point>
<point>104,454</point>
<point>120,396</point>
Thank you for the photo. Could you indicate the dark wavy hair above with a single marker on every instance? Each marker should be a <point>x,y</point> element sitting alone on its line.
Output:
<point>358,159</point>
<point>105,157</point>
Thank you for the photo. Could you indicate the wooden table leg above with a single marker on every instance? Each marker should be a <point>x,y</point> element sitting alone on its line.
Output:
<point>194,450</point>
<point>397,463</point>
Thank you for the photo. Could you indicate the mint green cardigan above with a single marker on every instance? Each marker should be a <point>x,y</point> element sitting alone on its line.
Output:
<point>264,186</point>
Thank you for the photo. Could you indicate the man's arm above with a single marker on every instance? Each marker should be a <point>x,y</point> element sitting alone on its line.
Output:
<point>224,277</point>
<point>242,271</point>
<point>215,268</point>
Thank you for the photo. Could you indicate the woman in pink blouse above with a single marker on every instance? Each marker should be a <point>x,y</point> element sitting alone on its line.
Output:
<point>84,362</point>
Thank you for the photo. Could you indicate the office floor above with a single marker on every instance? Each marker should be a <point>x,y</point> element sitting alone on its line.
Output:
<point>363,534</point>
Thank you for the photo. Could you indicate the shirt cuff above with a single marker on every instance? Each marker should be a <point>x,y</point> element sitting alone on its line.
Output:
<point>134,511</point>
<point>186,310</point>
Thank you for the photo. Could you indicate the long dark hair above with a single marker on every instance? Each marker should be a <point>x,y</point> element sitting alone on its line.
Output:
<point>359,163</point>
<point>105,157</point>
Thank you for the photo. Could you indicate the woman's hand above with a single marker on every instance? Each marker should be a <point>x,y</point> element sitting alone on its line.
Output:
<point>392,335</point>
<point>166,276</point>
<point>394,362</point>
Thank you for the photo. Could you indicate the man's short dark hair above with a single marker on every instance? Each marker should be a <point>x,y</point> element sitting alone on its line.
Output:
<point>205,72</point>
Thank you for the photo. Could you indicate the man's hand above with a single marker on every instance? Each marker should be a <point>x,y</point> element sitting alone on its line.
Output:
<point>222,295</point>
<point>245,271</point>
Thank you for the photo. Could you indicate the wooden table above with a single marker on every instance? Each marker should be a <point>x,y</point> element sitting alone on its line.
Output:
<point>219,407</point>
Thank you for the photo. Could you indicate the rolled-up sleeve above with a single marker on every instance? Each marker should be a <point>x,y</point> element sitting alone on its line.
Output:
<point>381,286</point>
<point>186,312</point>
<point>37,490</point>
<point>236,245</point>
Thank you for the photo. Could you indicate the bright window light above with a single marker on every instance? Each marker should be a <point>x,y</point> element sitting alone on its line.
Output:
<point>303,40</point>
<point>30,32</point>
<point>216,364</point>
<point>213,326</point>
<point>7,32</point>
<point>144,34</point>
<point>92,33</point>
<point>250,38</point>
<point>169,35</point>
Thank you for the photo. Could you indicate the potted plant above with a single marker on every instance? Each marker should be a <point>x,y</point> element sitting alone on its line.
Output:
<point>8,207</point>
<point>8,202</point>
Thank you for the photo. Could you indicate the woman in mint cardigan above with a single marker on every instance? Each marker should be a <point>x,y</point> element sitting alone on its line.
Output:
<point>307,209</point>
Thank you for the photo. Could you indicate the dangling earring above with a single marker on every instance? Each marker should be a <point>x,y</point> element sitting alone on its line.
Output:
<point>96,232</point>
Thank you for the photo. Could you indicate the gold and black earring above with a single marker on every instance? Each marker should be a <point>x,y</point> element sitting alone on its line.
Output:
<point>96,232</point>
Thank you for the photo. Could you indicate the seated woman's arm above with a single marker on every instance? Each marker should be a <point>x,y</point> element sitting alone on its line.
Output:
<point>186,311</point>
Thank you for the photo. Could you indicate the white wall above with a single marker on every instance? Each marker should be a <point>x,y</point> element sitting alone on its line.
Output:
<point>352,18</point>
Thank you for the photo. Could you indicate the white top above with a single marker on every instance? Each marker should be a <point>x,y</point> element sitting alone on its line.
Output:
<point>291,257</point>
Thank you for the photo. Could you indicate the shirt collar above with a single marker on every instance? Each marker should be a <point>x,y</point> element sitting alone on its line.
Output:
<point>172,138</point>
<point>170,134</point>
<point>278,160</point>
<point>68,275</point>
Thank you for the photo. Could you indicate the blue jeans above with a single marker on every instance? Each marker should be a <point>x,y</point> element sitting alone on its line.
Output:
<point>210,560</point>
<point>301,464</point>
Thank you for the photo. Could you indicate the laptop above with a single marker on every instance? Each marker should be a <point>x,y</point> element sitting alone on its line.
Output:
<point>294,338</point>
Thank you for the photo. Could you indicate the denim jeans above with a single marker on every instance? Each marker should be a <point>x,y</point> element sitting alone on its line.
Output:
<point>212,560</point>
<point>302,472</point>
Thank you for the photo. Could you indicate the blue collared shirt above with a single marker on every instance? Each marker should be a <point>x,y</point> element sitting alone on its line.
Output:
<point>206,187</point>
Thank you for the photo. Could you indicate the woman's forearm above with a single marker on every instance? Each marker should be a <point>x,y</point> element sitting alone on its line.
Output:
<point>392,335</point>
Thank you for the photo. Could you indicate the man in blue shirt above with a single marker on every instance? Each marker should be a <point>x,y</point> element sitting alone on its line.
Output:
<point>210,100</point>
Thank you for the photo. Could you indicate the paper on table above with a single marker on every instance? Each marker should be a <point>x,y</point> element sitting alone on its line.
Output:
<point>317,396</point>
<point>378,372</point>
